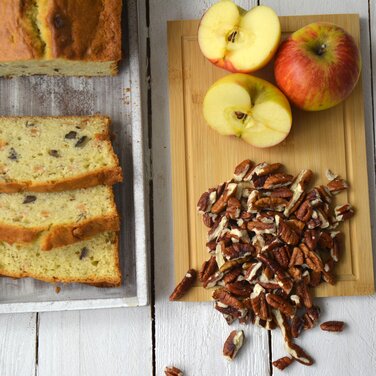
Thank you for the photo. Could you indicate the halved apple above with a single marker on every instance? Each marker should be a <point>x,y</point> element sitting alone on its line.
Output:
<point>236,40</point>
<point>248,107</point>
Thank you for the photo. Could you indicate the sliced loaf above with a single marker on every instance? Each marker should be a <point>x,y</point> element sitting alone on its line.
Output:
<point>49,154</point>
<point>57,218</point>
<point>94,261</point>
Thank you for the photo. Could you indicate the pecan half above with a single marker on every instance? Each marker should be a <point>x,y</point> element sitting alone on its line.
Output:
<point>186,283</point>
<point>278,181</point>
<point>282,256</point>
<point>332,326</point>
<point>270,203</point>
<point>225,297</point>
<point>173,371</point>
<point>312,259</point>
<point>278,302</point>
<point>233,344</point>
<point>283,363</point>
<point>281,193</point>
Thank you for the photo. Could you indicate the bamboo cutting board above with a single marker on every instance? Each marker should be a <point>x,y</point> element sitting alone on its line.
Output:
<point>201,158</point>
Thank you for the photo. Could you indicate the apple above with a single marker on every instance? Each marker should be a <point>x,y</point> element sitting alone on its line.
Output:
<point>318,66</point>
<point>248,107</point>
<point>237,40</point>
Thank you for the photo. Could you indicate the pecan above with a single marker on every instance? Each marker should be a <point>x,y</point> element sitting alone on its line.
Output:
<point>303,292</point>
<point>311,238</point>
<point>266,324</point>
<point>324,193</point>
<point>242,169</point>
<point>325,240</point>
<point>278,181</point>
<point>220,189</point>
<point>337,185</point>
<point>173,371</point>
<point>186,283</point>
<point>261,227</point>
<point>286,233</point>
<point>283,363</point>
<point>233,344</point>
<point>253,271</point>
<point>221,203</point>
<point>270,203</point>
<point>283,192</point>
<point>233,208</point>
<point>282,256</point>
<point>332,326</point>
<point>328,277</point>
<point>253,197</point>
<point>206,201</point>
<point>266,169</point>
<point>208,268</point>
<point>296,225</point>
<point>219,225</point>
<point>239,288</point>
<point>230,314</point>
<point>312,259</point>
<point>343,212</point>
<point>297,324</point>
<point>304,211</point>
<point>315,278</point>
<point>207,219</point>
<point>311,317</point>
<point>335,250</point>
<point>297,257</point>
<point>232,275</point>
<point>258,302</point>
<point>298,354</point>
<point>296,273</point>
<point>231,263</point>
<point>213,280</point>
<point>280,303</point>
<point>330,175</point>
<point>225,297</point>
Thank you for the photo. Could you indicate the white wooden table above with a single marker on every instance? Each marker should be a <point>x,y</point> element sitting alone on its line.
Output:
<point>141,341</point>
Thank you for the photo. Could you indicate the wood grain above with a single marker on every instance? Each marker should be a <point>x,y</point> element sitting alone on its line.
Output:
<point>17,344</point>
<point>101,342</point>
<point>201,158</point>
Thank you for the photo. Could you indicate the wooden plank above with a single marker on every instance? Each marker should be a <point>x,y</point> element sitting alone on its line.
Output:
<point>334,353</point>
<point>188,335</point>
<point>201,158</point>
<point>101,342</point>
<point>17,344</point>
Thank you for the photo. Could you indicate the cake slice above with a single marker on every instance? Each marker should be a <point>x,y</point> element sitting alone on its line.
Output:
<point>60,37</point>
<point>57,218</point>
<point>94,261</point>
<point>49,154</point>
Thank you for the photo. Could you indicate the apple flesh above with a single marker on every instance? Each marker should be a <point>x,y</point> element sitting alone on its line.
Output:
<point>236,40</point>
<point>318,66</point>
<point>248,107</point>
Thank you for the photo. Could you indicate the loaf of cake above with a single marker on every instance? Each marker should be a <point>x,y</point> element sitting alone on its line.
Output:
<point>94,261</point>
<point>50,154</point>
<point>60,37</point>
<point>56,219</point>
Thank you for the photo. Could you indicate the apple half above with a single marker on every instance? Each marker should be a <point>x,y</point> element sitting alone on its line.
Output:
<point>248,107</point>
<point>237,40</point>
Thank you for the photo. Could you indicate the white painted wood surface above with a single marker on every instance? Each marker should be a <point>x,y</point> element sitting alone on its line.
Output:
<point>118,342</point>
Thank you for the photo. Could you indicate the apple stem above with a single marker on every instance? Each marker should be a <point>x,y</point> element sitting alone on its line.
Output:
<point>232,36</point>
<point>240,115</point>
<point>321,50</point>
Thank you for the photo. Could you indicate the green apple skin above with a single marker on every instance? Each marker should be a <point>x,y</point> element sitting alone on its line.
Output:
<point>318,66</point>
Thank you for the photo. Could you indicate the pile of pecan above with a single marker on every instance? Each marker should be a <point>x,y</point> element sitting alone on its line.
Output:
<point>271,239</point>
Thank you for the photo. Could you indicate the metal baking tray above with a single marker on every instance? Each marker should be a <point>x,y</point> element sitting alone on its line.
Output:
<point>120,98</point>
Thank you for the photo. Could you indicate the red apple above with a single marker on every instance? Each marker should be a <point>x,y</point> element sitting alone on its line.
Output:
<point>318,66</point>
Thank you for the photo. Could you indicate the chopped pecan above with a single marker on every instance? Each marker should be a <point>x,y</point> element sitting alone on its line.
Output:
<point>311,317</point>
<point>278,181</point>
<point>219,225</point>
<point>233,344</point>
<point>312,259</point>
<point>324,193</point>
<point>336,249</point>
<point>315,278</point>
<point>283,363</point>
<point>270,203</point>
<point>337,185</point>
<point>231,263</point>
<point>297,257</point>
<point>239,288</point>
<point>343,212</point>
<point>206,201</point>
<point>296,225</point>
<point>225,297</point>
<point>253,271</point>
<point>332,326</point>
<point>233,208</point>
<point>230,314</point>
<point>325,240</point>
<point>298,354</point>
<point>286,233</point>
<point>267,169</point>
<point>258,301</point>
<point>304,212</point>
<point>295,272</point>
<point>303,292</point>
<point>297,324</point>
<point>173,371</point>
<point>330,175</point>
<point>282,256</point>
<point>283,192</point>
<point>280,303</point>
<point>186,283</point>
<point>242,169</point>
<point>328,277</point>
<point>232,275</point>
<point>207,218</point>
<point>261,227</point>
<point>208,268</point>
<point>311,238</point>
<point>221,203</point>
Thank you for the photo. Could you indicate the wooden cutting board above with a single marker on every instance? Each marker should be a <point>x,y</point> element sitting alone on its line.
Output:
<point>201,158</point>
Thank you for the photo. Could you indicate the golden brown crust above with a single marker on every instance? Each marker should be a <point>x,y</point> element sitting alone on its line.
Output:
<point>109,281</point>
<point>85,30</point>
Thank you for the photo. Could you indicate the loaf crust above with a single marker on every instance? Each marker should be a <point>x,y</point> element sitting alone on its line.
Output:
<point>102,176</point>
<point>93,280</point>
<point>85,30</point>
